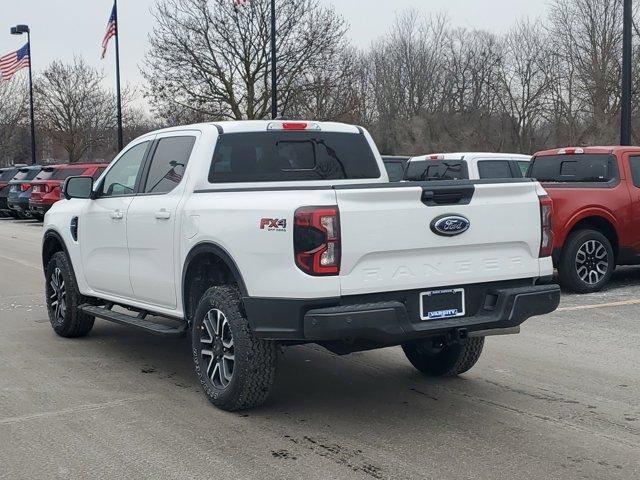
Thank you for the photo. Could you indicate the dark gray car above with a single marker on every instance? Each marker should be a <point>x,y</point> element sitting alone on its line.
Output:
<point>20,190</point>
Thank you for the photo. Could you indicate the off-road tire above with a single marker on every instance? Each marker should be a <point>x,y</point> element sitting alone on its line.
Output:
<point>254,365</point>
<point>567,271</point>
<point>73,323</point>
<point>448,361</point>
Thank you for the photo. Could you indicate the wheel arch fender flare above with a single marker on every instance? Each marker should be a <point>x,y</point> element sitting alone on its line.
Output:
<point>591,212</point>
<point>223,255</point>
<point>52,235</point>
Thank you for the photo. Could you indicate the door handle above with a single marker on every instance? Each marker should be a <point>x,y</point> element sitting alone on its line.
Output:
<point>163,214</point>
<point>116,215</point>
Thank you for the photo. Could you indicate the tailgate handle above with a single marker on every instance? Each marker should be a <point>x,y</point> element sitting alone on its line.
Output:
<point>447,195</point>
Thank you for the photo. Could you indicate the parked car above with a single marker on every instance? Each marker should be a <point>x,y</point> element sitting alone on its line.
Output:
<point>460,166</point>
<point>395,166</point>
<point>20,190</point>
<point>258,234</point>
<point>45,193</point>
<point>6,175</point>
<point>596,202</point>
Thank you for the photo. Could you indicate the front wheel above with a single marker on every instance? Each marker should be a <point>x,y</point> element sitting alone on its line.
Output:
<point>587,262</point>
<point>236,369</point>
<point>64,298</point>
<point>437,359</point>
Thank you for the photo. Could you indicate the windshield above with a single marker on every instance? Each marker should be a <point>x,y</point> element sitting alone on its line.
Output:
<point>423,170</point>
<point>289,156</point>
<point>574,168</point>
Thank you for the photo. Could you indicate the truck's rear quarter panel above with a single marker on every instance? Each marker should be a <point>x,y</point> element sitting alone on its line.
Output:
<point>233,220</point>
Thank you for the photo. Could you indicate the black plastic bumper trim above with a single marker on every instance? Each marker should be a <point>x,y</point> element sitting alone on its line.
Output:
<point>391,321</point>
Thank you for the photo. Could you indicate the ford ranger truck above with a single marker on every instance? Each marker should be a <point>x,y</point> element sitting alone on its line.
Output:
<point>596,201</point>
<point>253,235</point>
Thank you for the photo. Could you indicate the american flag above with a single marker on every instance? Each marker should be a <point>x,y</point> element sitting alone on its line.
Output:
<point>112,30</point>
<point>14,61</point>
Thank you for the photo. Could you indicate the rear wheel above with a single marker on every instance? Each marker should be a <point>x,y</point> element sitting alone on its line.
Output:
<point>436,359</point>
<point>236,369</point>
<point>587,262</point>
<point>64,298</point>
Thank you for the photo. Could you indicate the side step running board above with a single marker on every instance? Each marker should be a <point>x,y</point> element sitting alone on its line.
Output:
<point>135,322</point>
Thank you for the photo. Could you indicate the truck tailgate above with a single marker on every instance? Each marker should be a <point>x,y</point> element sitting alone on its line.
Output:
<point>388,243</point>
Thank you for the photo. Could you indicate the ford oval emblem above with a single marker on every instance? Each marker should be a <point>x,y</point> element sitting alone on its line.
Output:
<point>450,225</point>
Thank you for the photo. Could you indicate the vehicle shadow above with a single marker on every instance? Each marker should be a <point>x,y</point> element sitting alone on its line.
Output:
<point>310,379</point>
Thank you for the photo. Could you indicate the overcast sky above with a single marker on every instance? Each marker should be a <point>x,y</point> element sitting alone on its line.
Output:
<point>64,28</point>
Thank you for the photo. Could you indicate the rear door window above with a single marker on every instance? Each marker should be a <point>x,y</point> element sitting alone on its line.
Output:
<point>574,168</point>
<point>279,156</point>
<point>425,170</point>
<point>169,163</point>
<point>494,169</point>
<point>634,162</point>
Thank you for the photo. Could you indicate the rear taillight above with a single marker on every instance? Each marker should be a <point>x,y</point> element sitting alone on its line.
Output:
<point>546,226</point>
<point>316,240</point>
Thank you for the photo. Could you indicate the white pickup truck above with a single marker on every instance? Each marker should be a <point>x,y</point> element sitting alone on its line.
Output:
<point>257,234</point>
<point>466,165</point>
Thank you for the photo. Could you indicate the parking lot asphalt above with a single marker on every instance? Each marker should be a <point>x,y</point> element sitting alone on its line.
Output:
<point>560,400</point>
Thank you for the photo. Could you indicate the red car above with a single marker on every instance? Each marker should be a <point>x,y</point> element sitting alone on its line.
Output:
<point>47,192</point>
<point>596,211</point>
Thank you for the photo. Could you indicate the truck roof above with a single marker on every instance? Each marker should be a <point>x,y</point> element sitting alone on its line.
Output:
<point>469,156</point>
<point>588,150</point>
<point>240,126</point>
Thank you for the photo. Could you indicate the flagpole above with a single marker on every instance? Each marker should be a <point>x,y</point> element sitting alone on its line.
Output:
<point>33,121</point>
<point>274,76</point>
<point>118,92</point>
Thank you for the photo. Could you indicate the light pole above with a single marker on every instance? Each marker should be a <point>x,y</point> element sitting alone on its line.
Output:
<point>625,108</point>
<point>274,63</point>
<point>19,30</point>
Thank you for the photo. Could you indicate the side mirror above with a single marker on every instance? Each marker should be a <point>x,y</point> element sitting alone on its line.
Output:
<point>78,187</point>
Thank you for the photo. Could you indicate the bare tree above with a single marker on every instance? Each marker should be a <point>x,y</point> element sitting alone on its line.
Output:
<point>73,106</point>
<point>524,81</point>
<point>587,36</point>
<point>209,61</point>
<point>14,102</point>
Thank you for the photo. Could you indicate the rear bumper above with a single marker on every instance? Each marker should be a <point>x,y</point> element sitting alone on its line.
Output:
<point>37,207</point>
<point>392,318</point>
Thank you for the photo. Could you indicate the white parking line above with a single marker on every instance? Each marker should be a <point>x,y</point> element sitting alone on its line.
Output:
<point>599,305</point>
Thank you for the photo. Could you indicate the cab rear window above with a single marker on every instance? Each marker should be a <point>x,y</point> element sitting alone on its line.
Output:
<point>581,168</point>
<point>425,170</point>
<point>290,156</point>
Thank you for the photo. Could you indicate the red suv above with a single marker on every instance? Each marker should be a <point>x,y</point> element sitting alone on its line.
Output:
<point>47,192</point>
<point>596,205</point>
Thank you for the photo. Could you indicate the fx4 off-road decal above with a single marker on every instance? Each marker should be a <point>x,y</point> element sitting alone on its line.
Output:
<point>274,224</point>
